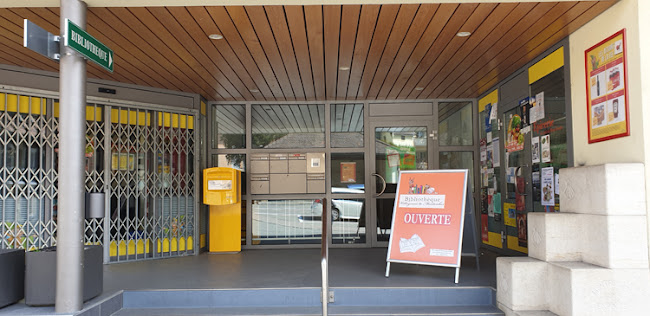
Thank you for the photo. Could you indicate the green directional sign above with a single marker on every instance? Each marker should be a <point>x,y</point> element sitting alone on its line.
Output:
<point>79,40</point>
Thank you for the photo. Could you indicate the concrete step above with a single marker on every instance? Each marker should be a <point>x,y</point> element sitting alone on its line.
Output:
<point>303,301</point>
<point>479,310</point>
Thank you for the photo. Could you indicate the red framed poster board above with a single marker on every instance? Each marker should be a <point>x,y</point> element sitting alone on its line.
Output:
<point>607,97</point>
<point>428,218</point>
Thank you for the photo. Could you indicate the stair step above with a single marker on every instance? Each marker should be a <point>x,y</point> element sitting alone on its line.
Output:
<point>478,310</point>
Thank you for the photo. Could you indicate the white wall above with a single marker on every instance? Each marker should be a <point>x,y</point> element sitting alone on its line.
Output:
<point>633,16</point>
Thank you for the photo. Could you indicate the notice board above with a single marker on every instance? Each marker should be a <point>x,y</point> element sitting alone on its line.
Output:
<point>607,97</point>
<point>428,218</point>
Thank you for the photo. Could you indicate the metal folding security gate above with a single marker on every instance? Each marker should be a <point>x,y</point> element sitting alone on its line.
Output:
<point>28,193</point>
<point>144,159</point>
<point>151,209</point>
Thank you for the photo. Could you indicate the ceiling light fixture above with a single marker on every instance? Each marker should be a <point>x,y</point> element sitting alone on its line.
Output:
<point>215,36</point>
<point>463,34</point>
<point>344,68</point>
<point>419,88</point>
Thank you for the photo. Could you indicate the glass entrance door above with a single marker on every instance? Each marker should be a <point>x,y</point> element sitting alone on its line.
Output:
<point>396,146</point>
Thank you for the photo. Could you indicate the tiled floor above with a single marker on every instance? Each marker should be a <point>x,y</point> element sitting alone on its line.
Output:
<point>279,268</point>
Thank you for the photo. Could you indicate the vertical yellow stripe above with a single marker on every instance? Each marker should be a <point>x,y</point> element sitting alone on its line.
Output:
<point>133,117</point>
<point>167,119</point>
<point>175,120</point>
<point>204,109</point>
<point>191,122</point>
<point>183,121</point>
<point>12,103</point>
<point>142,119</point>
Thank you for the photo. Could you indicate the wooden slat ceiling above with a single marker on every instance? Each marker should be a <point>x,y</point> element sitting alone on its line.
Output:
<point>286,53</point>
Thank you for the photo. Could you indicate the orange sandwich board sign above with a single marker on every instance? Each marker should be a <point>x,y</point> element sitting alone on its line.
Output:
<point>428,218</point>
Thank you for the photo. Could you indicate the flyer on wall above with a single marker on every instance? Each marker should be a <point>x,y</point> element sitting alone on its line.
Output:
<point>534,145</point>
<point>496,159</point>
<point>606,76</point>
<point>548,187</point>
<point>546,148</point>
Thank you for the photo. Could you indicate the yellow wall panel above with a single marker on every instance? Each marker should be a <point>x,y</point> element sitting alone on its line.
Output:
<point>513,243</point>
<point>190,123</point>
<point>547,65</point>
<point>492,97</point>
<point>204,109</point>
<point>494,240</point>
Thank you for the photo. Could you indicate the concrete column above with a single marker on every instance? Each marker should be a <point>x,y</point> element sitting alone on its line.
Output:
<point>72,132</point>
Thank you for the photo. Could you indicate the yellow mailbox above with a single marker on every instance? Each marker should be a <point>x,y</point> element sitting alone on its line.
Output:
<point>221,190</point>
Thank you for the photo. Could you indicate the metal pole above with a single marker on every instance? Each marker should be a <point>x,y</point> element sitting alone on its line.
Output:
<point>72,131</point>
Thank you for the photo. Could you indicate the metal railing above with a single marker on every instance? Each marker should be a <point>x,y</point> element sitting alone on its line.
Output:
<point>324,258</point>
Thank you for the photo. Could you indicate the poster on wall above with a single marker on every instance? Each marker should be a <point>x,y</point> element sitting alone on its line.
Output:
<point>548,187</point>
<point>522,230</point>
<point>348,172</point>
<point>606,77</point>
<point>514,136</point>
<point>427,227</point>
<point>511,214</point>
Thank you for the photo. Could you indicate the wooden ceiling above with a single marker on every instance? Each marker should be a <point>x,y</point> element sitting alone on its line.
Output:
<point>278,53</point>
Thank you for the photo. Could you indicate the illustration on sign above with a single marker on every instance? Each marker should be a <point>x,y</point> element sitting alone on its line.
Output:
<point>412,244</point>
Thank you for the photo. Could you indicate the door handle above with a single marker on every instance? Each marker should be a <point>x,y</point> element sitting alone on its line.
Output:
<point>383,181</point>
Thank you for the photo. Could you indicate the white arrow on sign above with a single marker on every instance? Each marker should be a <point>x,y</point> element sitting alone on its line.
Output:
<point>110,59</point>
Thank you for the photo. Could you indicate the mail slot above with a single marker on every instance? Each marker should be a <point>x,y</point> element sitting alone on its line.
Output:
<point>316,183</point>
<point>279,163</point>
<point>260,184</point>
<point>297,163</point>
<point>260,163</point>
<point>288,183</point>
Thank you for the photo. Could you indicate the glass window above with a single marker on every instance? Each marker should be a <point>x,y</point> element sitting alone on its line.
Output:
<point>288,126</point>
<point>348,173</point>
<point>459,160</point>
<point>399,148</point>
<point>286,222</point>
<point>348,221</point>
<point>552,130</point>
<point>455,124</point>
<point>229,128</point>
<point>236,161</point>
<point>346,123</point>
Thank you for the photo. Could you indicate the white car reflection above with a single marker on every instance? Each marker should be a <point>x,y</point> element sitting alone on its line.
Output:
<point>341,208</point>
